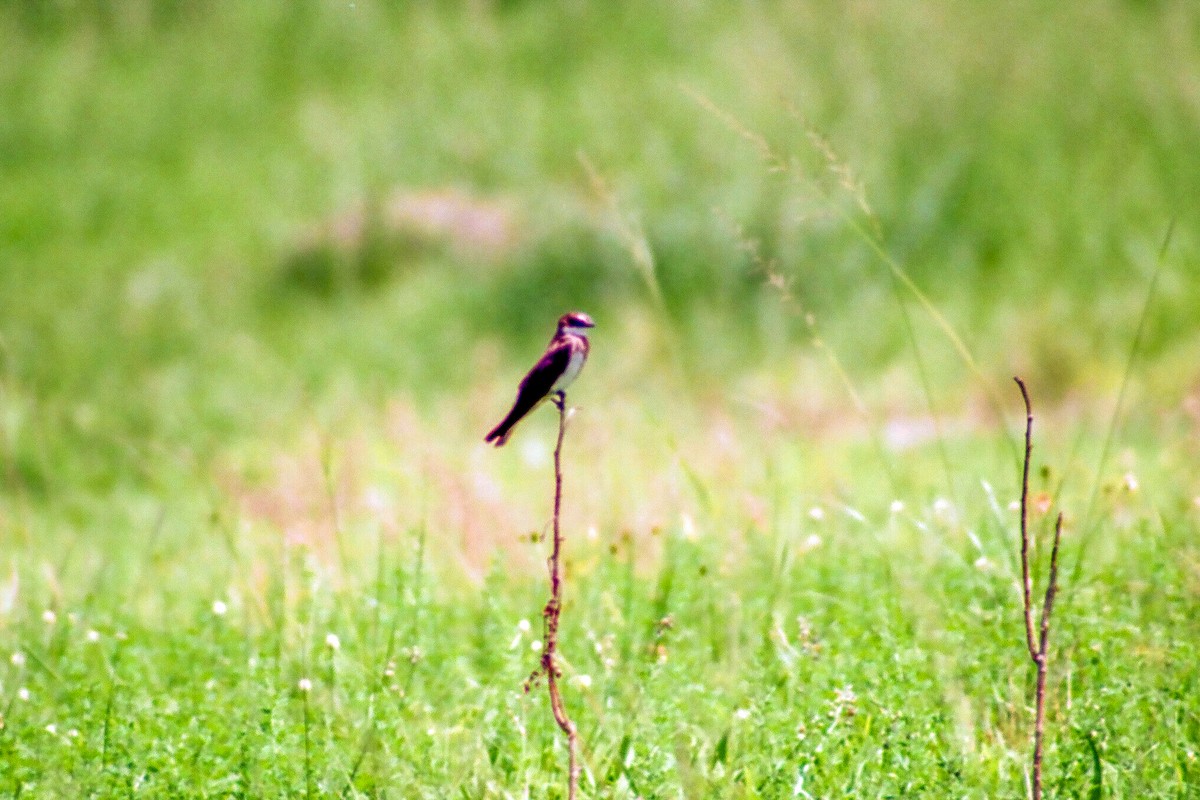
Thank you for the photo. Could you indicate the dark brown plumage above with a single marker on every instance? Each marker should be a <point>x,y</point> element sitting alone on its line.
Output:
<point>552,374</point>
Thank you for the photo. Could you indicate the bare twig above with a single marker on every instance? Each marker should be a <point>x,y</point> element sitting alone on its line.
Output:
<point>1042,661</point>
<point>307,749</point>
<point>552,613</point>
<point>1026,578</point>
<point>1039,649</point>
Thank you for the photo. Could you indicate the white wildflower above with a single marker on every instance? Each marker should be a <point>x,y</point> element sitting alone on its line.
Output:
<point>687,526</point>
<point>304,685</point>
<point>332,641</point>
<point>376,500</point>
<point>219,608</point>
<point>49,617</point>
<point>523,628</point>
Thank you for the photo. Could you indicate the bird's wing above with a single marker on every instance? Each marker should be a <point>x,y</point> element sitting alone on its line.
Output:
<point>539,380</point>
<point>534,387</point>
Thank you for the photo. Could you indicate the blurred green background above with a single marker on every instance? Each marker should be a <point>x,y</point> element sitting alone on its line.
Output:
<point>215,215</point>
<point>270,270</point>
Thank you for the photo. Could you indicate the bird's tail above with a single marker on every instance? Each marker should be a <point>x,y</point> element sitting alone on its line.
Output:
<point>501,432</point>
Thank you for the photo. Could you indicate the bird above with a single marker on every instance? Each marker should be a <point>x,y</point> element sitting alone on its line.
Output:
<point>551,375</point>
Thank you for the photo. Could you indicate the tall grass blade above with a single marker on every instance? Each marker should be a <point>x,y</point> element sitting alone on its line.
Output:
<point>1088,527</point>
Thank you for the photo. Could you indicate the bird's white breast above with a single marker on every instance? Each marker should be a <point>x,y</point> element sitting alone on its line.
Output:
<point>571,372</point>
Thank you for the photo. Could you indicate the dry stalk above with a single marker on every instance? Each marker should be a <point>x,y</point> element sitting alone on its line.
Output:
<point>550,616</point>
<point>1038,646</point>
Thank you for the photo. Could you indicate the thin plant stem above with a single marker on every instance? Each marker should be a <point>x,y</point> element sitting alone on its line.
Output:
<point>782,286</point>
<point>104,742</point>
<point>1026,578</point>
<point>1135,347</point>
<point>631,235</point>
<point>307,751</point>
<point>870,236</point>
<point>1039,649</point>
<point>368,735</point>
<point>552,613</point>
<point>1042,662</point>
<point>629,230</point>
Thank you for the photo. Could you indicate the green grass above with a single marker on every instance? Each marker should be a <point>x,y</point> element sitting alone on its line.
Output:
<point>232,372</point>
<point>772,612</point>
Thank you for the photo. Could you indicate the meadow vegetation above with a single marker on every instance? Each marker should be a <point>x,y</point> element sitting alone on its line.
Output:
<point>269,270</point>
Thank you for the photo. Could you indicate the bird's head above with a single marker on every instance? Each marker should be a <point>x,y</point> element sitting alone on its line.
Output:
<point>575,322</point>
